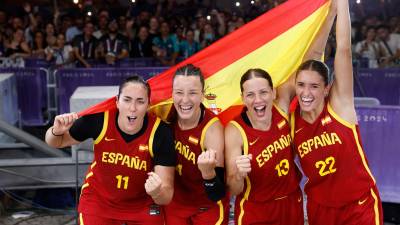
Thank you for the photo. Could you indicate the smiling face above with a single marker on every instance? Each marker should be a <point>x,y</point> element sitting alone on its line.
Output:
<point>187,94</point>
<point>258,97</point>
<point>132,103</point>
<point>311,91</point>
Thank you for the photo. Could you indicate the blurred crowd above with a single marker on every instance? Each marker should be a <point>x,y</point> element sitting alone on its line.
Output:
<point>72,34</point>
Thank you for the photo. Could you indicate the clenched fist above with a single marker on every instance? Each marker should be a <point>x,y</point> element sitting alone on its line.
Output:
<point>153,185</point>
<point>206,162</point>
<point>243,165</point>
<point>63,122</point>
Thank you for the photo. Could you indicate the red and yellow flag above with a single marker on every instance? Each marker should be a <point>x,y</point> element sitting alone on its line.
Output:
<point>276,42</point>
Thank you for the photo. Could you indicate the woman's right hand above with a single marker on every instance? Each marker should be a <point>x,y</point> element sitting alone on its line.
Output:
<point>243,165</point>
<point>63,122</point>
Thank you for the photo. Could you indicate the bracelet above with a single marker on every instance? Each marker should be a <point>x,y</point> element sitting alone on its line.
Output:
<point>57,135</point>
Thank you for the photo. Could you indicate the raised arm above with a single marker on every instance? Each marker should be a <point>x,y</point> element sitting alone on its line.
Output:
<point>286,92</point>
<point>58,135</point>
<point>342,95</point>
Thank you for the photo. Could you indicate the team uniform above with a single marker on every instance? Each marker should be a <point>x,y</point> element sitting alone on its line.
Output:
<point>113,191</point>
<point>271,193</point>
<point>340,187</point>
<point>190,204</point>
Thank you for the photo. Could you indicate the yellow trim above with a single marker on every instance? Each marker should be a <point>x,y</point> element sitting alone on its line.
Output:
<point>285,115</point>
<point>244,137</point>
<point>245,197</point>
<point>81,219</point>
<point>103,131</point>
<point>338,118</point>
<point>151,139</point>
<point>93,165</point>
<point>360,151</point>
<point>89,175</point>
<point>376,207</point>
<point>203,133</point>
<point>221,213</point>
<point>292,119</point>
<point>85,185</point>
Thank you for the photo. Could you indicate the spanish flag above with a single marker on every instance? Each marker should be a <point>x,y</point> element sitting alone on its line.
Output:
<point>276,42</point>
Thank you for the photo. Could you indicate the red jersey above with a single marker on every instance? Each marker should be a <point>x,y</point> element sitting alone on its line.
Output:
<point>189,144</point>
<point>332,158</point>
<point>273,173</point>
<point>114,185</point>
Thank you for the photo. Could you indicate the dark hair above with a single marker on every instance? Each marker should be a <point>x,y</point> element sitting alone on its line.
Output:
<point>317,66</point>
<point>135,79</point>
<point>383,26</point>
<point>252,73</point>
<point>190,70</point>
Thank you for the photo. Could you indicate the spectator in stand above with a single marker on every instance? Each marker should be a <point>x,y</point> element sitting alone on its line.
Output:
<point>17,47</point>
<point>208,36</point>
<point>51,36</point>
<point>166,47</point>
<point>390,43</point>
<point>102,27</point>
<point>369,48</point>
<point>113,46</point>
<point>189,46</point>
<point>141,46</point>
<point>153,28</point>
<point>38,45</point>
<point>61,54</point>
<point>76,29</point>
<point>84,46</point>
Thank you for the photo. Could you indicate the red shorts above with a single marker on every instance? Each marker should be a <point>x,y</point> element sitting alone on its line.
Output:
<point>178,214</point>
<point>367,211</point>
<point>281,211</point>
<point>147,216</point>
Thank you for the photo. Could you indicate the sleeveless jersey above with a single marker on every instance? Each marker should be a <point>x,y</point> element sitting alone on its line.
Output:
<point>114,184</point>
<point>274,174</point>
<point>332,157</point>
<point>189,144</point>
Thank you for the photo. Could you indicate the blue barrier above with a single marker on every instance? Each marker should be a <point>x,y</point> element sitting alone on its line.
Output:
<point>32,94</point>
<point>380,132</point>
<point>69,79</point>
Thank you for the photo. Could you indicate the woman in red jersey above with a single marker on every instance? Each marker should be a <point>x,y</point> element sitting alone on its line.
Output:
<point>133,166</point>
<point>199,145</point>
<point>260,164</point>
<point>340,188</point>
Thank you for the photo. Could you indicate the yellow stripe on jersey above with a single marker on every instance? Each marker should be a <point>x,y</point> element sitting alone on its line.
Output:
<point>151,139</point>
<point>85,185</point>
<point>93,165</point>
<point>376,207</point>
<point>203,133</point>
<point>284,114</point>
<point>292,123</point>
<point>89,174</point>
<point>81,219</point>
<point>103,131</point>
<point>361,152</point>
<point>221,213</point>
<point>244,137</point>
<point>245,197</point>
<point>281,124</point>
<point>248,183</point>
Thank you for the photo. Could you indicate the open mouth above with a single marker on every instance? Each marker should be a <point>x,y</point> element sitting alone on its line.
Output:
<point>260,110</point>
<point>185,109</point>
<point>307,100</point>
<point>132,119</point>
